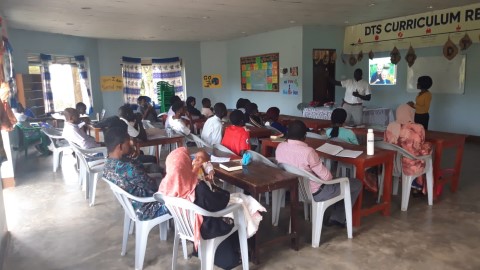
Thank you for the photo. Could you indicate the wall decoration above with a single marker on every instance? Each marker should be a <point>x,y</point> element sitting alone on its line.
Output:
<point>212,81</point>
<point>260,72</point>
<point>293,71</point>
<point>289,85</point>
<point>111,83</point>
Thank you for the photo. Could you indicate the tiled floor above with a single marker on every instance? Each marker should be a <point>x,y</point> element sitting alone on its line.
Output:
<point>52,227</point>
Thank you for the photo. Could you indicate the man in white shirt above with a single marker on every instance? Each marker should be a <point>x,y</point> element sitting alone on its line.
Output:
<point>134,123</point>
<point>356,91</point>
<point>170,112</point>
<point>212,129</point>
<point>73,133</point>
<point>175,121</point>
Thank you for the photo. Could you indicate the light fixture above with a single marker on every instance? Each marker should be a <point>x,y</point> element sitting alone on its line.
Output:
<point>371,4</point>
<point>292,21</point>
<point>86,8</point>
<point>430,7</point>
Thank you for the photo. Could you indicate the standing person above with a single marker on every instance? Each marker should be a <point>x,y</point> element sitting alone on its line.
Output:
<point>297,153</point>
<point>212,129</point>
<point>422,102</point>
<point>191,101</point>
<point>356,91</point>
<point>73,133</point>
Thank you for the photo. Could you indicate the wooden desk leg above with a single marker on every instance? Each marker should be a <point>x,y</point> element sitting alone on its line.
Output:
<point>437,168</point>
<point>97,135</point>
<point>358,204</point>
<point>387,187</point>
<point>293,214</point>
<point>458,166</point>
<point>264,150</point>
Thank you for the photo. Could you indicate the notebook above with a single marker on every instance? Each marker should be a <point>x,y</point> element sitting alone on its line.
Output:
<point>231,166</point>
<point>338,151</point>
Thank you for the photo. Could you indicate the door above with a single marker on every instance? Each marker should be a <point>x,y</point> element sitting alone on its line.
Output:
<point>323,69</point>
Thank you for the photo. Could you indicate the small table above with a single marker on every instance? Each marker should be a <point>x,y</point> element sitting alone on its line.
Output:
<point>361,163</point>
<point>252,179</point>
<point>159,140</point>
<point>315,124</point>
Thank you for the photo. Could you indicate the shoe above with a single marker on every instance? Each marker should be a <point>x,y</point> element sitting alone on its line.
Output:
<point>416,186</point>
<point>332,222</point>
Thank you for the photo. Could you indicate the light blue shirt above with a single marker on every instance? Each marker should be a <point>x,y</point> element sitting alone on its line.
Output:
<point>345,134</point>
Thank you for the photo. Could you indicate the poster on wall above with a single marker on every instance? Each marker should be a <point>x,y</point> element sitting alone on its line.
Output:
<point>260,72</point>
<point>289,85</point>
<point>212,81</point>
<point>111,83</point>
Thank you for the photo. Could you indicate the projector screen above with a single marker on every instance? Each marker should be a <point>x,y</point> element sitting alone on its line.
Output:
<point>382,72</point>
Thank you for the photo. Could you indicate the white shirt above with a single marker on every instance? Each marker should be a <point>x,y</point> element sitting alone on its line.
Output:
<point>351,86</point>
<point>169,114</point>
<point>212,130</point>
<point>73,133</point>
<point>132,131</point>
<point>207,112</point>
<point>178,126</point>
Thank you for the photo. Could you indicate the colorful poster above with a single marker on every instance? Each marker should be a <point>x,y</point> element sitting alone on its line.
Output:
<point>215,80</point>
<point>111,83</point>
<point>289,85</point>
<point>260,72</point>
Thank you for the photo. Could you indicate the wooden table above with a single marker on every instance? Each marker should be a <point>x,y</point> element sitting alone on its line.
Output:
<point>361,163</point>
<point>315,124</point>
<point>95,130</point>
<point>252,179</point>
<point>255,132</point>
<point>440,141</point>
<point>158,141</point>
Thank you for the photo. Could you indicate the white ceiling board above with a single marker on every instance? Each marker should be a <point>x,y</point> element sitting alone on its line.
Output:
<point>199,20</point>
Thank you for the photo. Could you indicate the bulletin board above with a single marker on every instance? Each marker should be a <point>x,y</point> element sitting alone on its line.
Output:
<point>260,72</point>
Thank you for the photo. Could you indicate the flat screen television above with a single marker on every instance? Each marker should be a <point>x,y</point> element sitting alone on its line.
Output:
<point>382,72</point>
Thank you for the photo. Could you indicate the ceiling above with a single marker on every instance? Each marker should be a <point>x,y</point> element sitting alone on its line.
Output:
<point>200,20</point>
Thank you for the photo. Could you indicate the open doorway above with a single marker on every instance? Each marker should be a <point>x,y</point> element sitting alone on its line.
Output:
<point>323,69</point>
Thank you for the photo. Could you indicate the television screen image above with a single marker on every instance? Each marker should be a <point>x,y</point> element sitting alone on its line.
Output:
<point>382,72</point>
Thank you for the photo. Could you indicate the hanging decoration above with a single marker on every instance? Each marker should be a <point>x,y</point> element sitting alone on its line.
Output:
<point>411,56</point>
<point>395,56</point>
<point>450,50</point>
<point>371,55</point>
<point>465,42</point>
<point>360,56</point>
<point>343,56</point>
<point>352,60</point>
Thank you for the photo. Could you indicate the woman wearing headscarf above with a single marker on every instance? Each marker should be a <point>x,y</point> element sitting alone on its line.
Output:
<point>411,137</point>
<point>191,101</point>
<point>339,115</point>
<point>181,181</point>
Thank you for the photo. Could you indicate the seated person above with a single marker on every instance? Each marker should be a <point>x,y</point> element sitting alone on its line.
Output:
<point>130,174</point>
<point>202,167</point>
<point>134,122</point>
<point>272,115</point>
<point>173,100</point>
<point>19,113</point>
<point>146,109</point>
<point>252,115</point>
<point>242,104</point>
<point>297,153</point>
<point>213,128</point>
<point>192,111</point>
<point>237,137</point>
<point>82,111</point>
<point>338,117</point>
<point>73,133</point>
<point>181,181</point>
<point>176,122</point>
<point>411,137</point>
<point>207,107</point>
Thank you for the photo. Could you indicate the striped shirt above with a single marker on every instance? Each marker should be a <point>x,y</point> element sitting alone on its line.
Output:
<point>300,155</point>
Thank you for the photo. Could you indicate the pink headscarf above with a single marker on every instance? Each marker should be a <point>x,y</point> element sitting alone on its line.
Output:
<point>180,182</point>
<point>405,114</point>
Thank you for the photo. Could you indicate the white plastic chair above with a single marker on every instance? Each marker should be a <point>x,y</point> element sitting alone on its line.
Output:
<point>184,212</point>
<point>102,114</point>
<point>58,145</point>
<point>198,141</point>
<point>407,179</point>
<point>89,170</point>
<point>142,227</point>
<point>223,148</point>
<point>278,195</point>
<point>318,208</point>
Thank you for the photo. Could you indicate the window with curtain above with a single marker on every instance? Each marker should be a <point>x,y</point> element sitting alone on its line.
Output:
<point>65,80</point>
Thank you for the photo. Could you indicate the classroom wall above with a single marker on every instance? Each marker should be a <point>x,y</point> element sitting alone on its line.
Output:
<point>448,112</point>
<point>110,53</point>
<point>214,61</point>
<point>25,42</point>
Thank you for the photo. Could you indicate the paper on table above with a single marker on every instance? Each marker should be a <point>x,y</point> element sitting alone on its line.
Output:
<point>349,153</point>
<point>219,159</point>
<point>338,151</point>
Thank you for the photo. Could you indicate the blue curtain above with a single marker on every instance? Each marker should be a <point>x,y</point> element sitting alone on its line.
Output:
<point>169,70</point>
<point>84,81</point>
<point>45,61</point>
<point>132,79</point>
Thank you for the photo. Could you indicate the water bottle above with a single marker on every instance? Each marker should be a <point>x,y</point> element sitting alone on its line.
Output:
<point>169,132</point>
<point>370,140</point>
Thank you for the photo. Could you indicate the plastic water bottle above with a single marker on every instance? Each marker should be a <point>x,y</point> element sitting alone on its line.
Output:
<point>169,132</point>
<point>370,140</point>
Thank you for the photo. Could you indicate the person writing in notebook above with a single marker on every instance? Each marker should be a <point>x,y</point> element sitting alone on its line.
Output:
<point>297,153</point>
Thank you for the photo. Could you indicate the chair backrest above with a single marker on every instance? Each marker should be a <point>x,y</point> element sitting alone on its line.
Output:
<point>275,131</point>
<point>397,168</point>
<point>55,136</point>
<point>147,124</point>
<point>222,148</point>
<point>102,114</point>
<point>260,158</point>
<point>316,136</point>
<point>198,141</point>
<point>124,198</point>
<point>83,154</point>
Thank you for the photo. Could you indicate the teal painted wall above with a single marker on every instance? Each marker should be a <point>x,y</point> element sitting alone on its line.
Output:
<point>214,61</point>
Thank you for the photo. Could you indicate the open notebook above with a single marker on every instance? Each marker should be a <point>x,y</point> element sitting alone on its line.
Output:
<point>338,151</point>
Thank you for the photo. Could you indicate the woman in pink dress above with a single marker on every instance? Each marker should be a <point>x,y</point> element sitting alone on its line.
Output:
<point>411,137</point>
